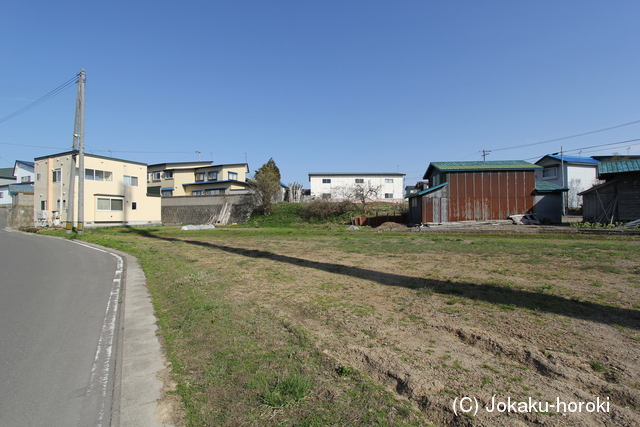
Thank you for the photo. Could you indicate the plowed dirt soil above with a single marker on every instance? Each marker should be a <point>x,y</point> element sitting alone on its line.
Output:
<point>458,323</point>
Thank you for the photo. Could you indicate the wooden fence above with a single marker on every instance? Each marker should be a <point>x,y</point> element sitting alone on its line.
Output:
<point>382,217</point>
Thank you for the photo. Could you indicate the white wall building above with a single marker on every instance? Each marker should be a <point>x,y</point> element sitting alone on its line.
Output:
<point>335,186</point>
<point>22,174</point>
<point>23,171</point>
<point>575,173</point>
<point>6,178</point>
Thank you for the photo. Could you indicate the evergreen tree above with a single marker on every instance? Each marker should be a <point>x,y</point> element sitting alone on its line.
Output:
<point>266,186</point>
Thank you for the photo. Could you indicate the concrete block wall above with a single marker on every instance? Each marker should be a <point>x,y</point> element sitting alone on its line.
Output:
<point>21,212</point>
<point>205,209</point>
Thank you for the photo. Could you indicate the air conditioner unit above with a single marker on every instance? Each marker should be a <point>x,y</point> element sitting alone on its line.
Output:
<point>42,215</point>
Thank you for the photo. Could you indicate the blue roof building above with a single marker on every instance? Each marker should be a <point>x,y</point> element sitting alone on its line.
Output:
<point>572,172</point>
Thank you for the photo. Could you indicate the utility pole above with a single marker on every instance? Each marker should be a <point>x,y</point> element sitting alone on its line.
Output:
<point>485,153</point>
<point>562,176</point>
<point>80,120</point>
<point>77,149</point>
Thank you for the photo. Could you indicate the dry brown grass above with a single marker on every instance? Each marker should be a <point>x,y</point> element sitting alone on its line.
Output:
<point>429,318</point>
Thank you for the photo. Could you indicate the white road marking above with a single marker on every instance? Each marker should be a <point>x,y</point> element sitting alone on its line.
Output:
<point>99,381</point>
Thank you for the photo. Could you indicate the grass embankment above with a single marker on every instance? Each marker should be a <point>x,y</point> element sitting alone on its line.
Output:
<point>318,212</point>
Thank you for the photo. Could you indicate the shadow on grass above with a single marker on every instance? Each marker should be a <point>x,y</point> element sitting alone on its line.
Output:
<point>505,298</point>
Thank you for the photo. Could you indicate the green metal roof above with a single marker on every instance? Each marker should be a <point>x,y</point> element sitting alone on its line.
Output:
<point>7,173</point>
<point>477,166</point>
<point>548,187</point>
<point>480,166</point>
<point>428,190</point>
<point>618,166</point>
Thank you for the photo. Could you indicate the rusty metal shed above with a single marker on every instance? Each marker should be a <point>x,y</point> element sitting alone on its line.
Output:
<point>467,191</point>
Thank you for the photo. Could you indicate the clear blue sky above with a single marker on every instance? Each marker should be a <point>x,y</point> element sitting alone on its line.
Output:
<point>322,86</point>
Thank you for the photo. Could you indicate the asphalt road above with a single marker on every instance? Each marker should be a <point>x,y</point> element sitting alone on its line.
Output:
<point>58,321</point>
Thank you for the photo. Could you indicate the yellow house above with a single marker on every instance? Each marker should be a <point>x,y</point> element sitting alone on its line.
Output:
<point>114,192</point>
<point>197,179</point>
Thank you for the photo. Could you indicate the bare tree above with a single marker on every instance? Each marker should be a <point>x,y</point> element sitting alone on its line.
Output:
<point>295,192</point>
<point>361,192</point>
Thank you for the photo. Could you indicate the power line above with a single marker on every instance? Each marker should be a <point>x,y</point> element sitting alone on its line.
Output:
<point>141,152</point>
<point>33,146</point>
<point>627,146</point>
<point>40,100</point>
<point>570,136</point>
<point>605,145</point>
<point>600,147</point>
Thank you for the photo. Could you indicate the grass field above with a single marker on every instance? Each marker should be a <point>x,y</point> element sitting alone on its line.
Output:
<point>319,326</point>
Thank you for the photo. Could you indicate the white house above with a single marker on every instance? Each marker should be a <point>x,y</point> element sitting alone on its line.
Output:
<point>572,172</point>
<point>6,178</point>
<point>22,173</point>
<point>388,187</point>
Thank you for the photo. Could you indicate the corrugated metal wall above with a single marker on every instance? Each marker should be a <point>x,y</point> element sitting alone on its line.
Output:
<point>482,195</point>
<point>435,206</point>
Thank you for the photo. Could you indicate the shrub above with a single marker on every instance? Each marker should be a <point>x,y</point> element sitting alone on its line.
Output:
<point>283,214</point>
<point>29,229</point>
<point>323,209</point>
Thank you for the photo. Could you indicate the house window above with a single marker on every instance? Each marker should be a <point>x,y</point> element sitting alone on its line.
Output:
<point>359,181</point>
<point>233,176</point>
<point>134,206</point>
<point>156,176</point>
<point>550,172</point>
<point>326,180</point>
<point>130,181</point>
<point>388,195</point>
<point>38,176</point>
<point>196,193</point>
<point>43,205</point>
<point>214,191</point>
<point>326,196</point>
<point>26,178</point>
<point>168,174</point>
<point>167,193</point>
<point>57,175</point>
<point>105,204</point>
<point>199,176</point>
<point>97,175</point>
<point>212,175</point>
<point>388,181</point>
<point>2,195</point>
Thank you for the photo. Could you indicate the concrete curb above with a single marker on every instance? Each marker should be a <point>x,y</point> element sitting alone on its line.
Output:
<point>141,361</point>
